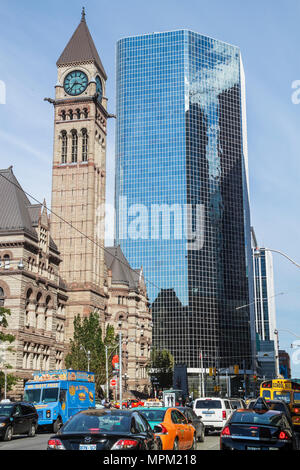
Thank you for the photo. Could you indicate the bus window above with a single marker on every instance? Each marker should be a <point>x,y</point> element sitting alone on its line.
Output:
<point>266,394</point>
<point>284,396</point>
<point>297,397</point>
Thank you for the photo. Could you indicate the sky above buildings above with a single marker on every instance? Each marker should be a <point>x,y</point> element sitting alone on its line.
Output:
<point>33,35</point>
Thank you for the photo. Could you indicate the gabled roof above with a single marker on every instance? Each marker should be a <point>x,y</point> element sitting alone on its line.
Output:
<point>16,211</point>
<point>81,48</point>
<point>121,271</point>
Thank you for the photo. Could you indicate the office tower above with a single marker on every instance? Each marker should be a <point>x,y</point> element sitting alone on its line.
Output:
<point>264,300</point>
<point>182,209</point>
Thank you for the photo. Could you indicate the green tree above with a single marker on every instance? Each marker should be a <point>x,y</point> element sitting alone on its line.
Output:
<point>88,337</point>
<point>161,366</point>
<point>6,340</point>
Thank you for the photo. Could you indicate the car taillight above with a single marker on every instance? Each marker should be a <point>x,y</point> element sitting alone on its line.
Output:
<point>296,410</point>
<point>55,444</point>
<point>163,429</point>
<point>283,436</point>
<point>125,444</point>
<point>226,432</point>
<point>224,414</point>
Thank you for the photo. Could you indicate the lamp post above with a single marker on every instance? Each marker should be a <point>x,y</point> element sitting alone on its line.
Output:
<point>88,354</point>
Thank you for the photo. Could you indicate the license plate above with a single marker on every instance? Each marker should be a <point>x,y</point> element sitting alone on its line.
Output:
<point>262,448</point>
<point>87,447</point>
<point>208,412</point>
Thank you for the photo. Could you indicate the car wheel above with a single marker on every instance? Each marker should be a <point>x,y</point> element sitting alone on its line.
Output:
<point>202,435</point>
<point>32,430</point>
<point>57,425</point>
<point>8,434</point>
<point>175,445</point>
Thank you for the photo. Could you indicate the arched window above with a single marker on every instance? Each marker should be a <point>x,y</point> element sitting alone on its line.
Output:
<point>85,113</point>
<point>63,115</point>
<point>6,261</point>
<point>74,146</point>
<point>64,147</point>
<point>1,297</point>
<point>78,113</point>
<point>84,145</point>
<point>71,114</point>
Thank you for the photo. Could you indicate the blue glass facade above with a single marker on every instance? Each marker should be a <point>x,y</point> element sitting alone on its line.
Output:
<point>181,191</point>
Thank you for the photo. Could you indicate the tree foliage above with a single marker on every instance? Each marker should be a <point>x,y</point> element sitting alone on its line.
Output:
<point>11,380</point>
<point>161,366</point>
<point>88,337</point>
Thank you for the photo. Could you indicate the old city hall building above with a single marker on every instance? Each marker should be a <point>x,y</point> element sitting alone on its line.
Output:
<point>54,267</point>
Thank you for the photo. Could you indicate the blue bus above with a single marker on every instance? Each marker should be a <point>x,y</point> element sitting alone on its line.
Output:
<point>59,394</point>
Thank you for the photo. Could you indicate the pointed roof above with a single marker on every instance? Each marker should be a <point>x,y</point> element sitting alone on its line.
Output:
<point>81,48</point>
<point>120,268</point>
<point>16,211</point>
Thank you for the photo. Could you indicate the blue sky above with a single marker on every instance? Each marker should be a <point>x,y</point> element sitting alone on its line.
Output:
<point>34,33</point>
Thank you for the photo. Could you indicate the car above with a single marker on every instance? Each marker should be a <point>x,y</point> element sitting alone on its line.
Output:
<point>214,412</point>
<point>195,420</point>
<point>253,429</point>
<point>277,405</point>
<point>17,418</point>
<point>171,428</point>
<point>105,430</point>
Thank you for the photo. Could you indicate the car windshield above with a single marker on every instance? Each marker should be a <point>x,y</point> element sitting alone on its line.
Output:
<point>154,415</point>
<point>49,395</point>
<point>284,396</point>
<point>5,410</point>
<point>32,396</point>
<point>277,406</point>
<point>268,418</point>
<point>103,423</point>
<point>208,404</point>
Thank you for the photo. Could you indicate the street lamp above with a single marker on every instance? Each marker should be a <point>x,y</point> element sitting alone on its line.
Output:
<point>88,354</point>
<point>257,253</point>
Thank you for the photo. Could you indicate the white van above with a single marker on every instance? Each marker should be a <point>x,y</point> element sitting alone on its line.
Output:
<point>214,412</point>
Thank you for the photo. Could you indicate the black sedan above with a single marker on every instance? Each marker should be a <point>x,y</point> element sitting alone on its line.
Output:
<point>17,418</point>
<point>105,430</point>
<point>257,430</point>
<point>195,420</point>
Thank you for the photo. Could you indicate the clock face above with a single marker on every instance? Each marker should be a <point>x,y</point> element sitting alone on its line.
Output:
<point>99,89</point>
<point>75,83</point>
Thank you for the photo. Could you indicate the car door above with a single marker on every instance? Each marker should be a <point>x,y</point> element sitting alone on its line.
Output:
<point>141,429</point>
<point>151,439</point>
<point>176,418</point>
<point>19,420</point>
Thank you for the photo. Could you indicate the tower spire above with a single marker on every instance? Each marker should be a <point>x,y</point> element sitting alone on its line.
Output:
<point>83,14</point>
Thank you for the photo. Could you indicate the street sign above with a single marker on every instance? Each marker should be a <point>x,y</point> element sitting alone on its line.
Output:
<point>115,362</point>
<point>113,383</point>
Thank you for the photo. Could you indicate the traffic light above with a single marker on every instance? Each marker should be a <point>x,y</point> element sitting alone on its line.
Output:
<point>236,369</point>
<point>255,378</point>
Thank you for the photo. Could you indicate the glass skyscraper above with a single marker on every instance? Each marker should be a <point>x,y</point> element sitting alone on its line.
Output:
<point>182,209</point>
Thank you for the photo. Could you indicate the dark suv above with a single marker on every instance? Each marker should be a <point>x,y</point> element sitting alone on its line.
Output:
<point>17,418</point>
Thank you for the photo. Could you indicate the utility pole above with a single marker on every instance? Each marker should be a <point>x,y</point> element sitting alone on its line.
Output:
<point>106,368</point>
<point>120,368</point>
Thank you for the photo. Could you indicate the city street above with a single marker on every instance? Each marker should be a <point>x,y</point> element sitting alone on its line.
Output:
<point>39,442</point>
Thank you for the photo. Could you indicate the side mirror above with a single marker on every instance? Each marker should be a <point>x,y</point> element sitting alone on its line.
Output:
<point>157,429</point>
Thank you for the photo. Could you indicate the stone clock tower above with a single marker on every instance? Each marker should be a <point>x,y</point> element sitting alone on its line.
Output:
<point>78,185</point>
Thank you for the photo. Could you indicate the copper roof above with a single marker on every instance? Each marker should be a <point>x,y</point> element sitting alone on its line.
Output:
<point>81,48</point>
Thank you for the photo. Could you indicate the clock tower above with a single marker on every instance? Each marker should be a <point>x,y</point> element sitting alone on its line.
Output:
<point>78,183</point>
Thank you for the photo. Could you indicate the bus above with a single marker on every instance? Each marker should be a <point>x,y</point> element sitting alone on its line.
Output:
<point>285,390</point>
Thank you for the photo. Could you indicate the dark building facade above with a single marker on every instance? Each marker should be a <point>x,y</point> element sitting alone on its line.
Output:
<point>182,193</point>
